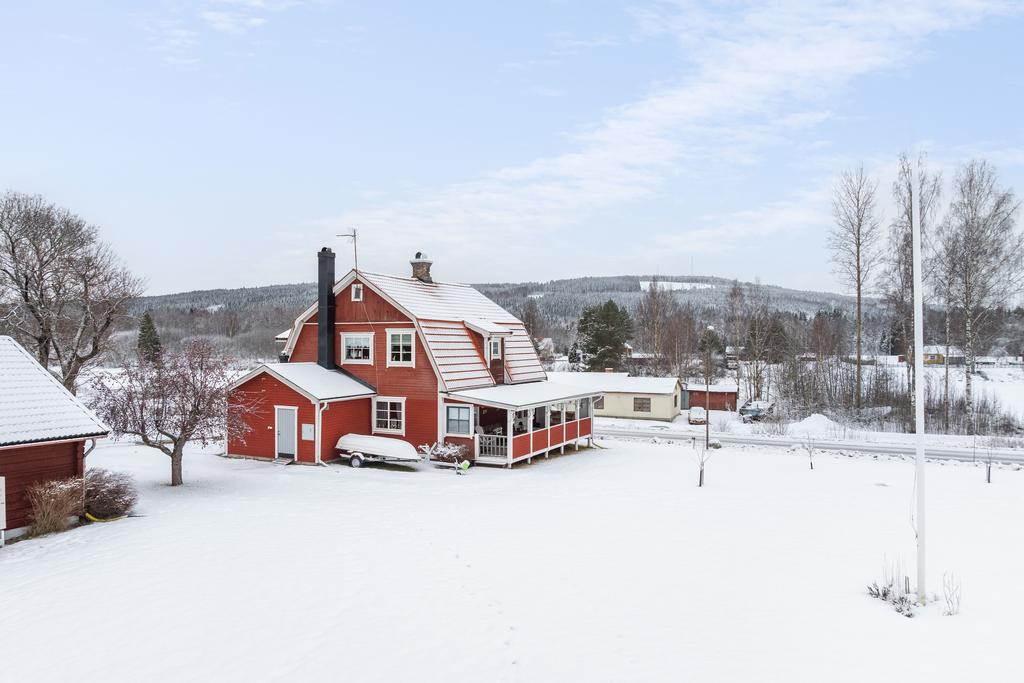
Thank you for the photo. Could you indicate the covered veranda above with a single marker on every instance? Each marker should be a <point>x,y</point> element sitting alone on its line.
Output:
<point>508,423</point>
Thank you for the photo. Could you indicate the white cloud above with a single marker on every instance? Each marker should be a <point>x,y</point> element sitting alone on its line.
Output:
<point>757,75</point>
<point>231,22</point>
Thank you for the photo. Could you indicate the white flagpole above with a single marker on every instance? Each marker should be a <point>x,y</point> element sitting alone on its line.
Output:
<point>918,385</point>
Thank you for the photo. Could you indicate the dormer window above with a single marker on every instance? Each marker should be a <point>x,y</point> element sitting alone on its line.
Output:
<point>357,291</point>
<point>496,349</point>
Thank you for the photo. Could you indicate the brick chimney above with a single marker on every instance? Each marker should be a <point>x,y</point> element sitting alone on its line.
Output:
<point>421,267</point>
<point>325,309</point>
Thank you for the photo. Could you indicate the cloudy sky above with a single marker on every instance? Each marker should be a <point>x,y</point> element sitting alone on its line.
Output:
<point>220,143</point>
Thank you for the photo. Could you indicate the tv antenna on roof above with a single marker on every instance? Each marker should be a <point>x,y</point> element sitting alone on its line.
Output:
<point>354,236</point>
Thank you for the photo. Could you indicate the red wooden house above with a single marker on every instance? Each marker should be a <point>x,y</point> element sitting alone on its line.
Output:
<point>43,432</point>
<point>413,359</point>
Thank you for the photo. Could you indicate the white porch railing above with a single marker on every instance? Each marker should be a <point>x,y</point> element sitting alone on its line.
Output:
<point>492,446</point>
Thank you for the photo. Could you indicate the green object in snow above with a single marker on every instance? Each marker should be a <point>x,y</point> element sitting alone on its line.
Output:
<point>464,465</point>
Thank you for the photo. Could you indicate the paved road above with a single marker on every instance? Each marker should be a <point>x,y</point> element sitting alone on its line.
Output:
<point>947,453</point>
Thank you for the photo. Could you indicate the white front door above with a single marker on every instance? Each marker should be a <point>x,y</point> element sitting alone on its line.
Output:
<point>285,420</point>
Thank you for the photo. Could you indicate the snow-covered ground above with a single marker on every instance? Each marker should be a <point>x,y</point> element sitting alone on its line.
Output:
<point>600,565</point>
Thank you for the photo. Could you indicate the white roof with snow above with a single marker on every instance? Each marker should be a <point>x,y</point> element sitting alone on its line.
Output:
<point>715,388</point>
<point>954,351</point>
<point>34,406</point>
<point>523,395</point>
<point>616,382</point>
<point>318,383</point>
<point>439,300</point>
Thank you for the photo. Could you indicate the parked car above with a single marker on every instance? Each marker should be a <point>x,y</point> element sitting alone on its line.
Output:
<point>753,411</point>
<point>698,416</point>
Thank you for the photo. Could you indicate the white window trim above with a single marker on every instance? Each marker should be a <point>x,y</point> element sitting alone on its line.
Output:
<point>389,399</point>
<point>472,426</point>
<point>490,349</point>
<point>357,286</point>
<point>401,363</point>
<point>344,361</point>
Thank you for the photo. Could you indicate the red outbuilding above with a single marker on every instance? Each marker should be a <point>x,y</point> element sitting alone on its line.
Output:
<point>44,430</point>
<point>722,397</point>
<point>413,359</point>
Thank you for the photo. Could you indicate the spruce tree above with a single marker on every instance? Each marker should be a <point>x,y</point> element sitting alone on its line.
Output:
<point>149,346</point>
<point>603,332</point>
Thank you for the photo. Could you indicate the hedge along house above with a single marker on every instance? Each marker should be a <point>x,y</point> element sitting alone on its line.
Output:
<point>44,429</point>
<point>408,358</point>
<point>644,398</point>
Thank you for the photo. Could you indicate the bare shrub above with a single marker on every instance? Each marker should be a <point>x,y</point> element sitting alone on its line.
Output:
<point>723,425</point>
<point>894,588</point>
<point>951,592</point>
<point>771,426</point>
<point>109,494</point>
<point>53,502</point>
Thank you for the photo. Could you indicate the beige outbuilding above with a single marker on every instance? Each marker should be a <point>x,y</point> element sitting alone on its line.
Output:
<point>645,398</point>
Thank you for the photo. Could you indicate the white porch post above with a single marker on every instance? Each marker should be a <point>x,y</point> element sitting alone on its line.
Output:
<point>576,442</point>
<point>509,418</point>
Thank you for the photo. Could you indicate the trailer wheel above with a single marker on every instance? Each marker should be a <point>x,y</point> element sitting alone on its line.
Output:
<point>356,460</point>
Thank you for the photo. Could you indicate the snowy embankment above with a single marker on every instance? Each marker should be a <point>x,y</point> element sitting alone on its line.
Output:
<point>599,565</point>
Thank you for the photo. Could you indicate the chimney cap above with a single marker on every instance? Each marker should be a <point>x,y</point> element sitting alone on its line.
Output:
<point>326,250</point>
<point>421,258</point>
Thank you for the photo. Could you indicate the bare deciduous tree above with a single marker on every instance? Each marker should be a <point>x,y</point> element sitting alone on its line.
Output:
<point>989,260</point>
<point>897,279</point>
<point>854,243</point>
<point>61,286</point>
<point>652,315</point>
<point>181,398</point>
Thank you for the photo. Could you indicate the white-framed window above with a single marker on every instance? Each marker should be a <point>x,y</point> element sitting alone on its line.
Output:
<point>496,348</point>
<point>458,421</point>
<point>357,291</point>
<point>388,415</point>
<point>357,348</point>
<point>401,348</point>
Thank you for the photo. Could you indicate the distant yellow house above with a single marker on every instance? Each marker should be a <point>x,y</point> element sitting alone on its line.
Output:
<point>646,398</point>
<point>936,355</point>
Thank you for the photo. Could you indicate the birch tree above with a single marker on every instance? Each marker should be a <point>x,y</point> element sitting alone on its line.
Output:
<point>897,278</point>
<point>988,269</point>
<point>854,244</point>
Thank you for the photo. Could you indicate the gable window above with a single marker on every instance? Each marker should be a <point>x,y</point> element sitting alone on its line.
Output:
<point>458,421</point>
<point>357,348</point>
<point>357,291</point>
<point>641,405</point>
<point>389,415</point>
<point>401,348</point>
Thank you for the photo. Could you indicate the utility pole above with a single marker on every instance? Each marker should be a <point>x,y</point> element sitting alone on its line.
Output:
<point>915,221</point>
<point>707,389</point>
<point>354,236</point>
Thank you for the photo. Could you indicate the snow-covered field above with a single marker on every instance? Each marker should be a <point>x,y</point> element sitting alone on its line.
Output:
<point>602,565</point>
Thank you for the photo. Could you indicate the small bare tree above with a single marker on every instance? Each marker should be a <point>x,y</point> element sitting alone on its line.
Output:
<point>62,287</point>
<point>808,446</point>
<point>181,398</point>
<point>854,244</point>
<point>703,455</point>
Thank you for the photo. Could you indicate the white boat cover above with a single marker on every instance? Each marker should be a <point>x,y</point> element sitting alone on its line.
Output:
<point>382,446</point>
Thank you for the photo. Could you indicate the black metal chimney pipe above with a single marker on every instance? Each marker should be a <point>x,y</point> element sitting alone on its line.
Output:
<point>325,310</point>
